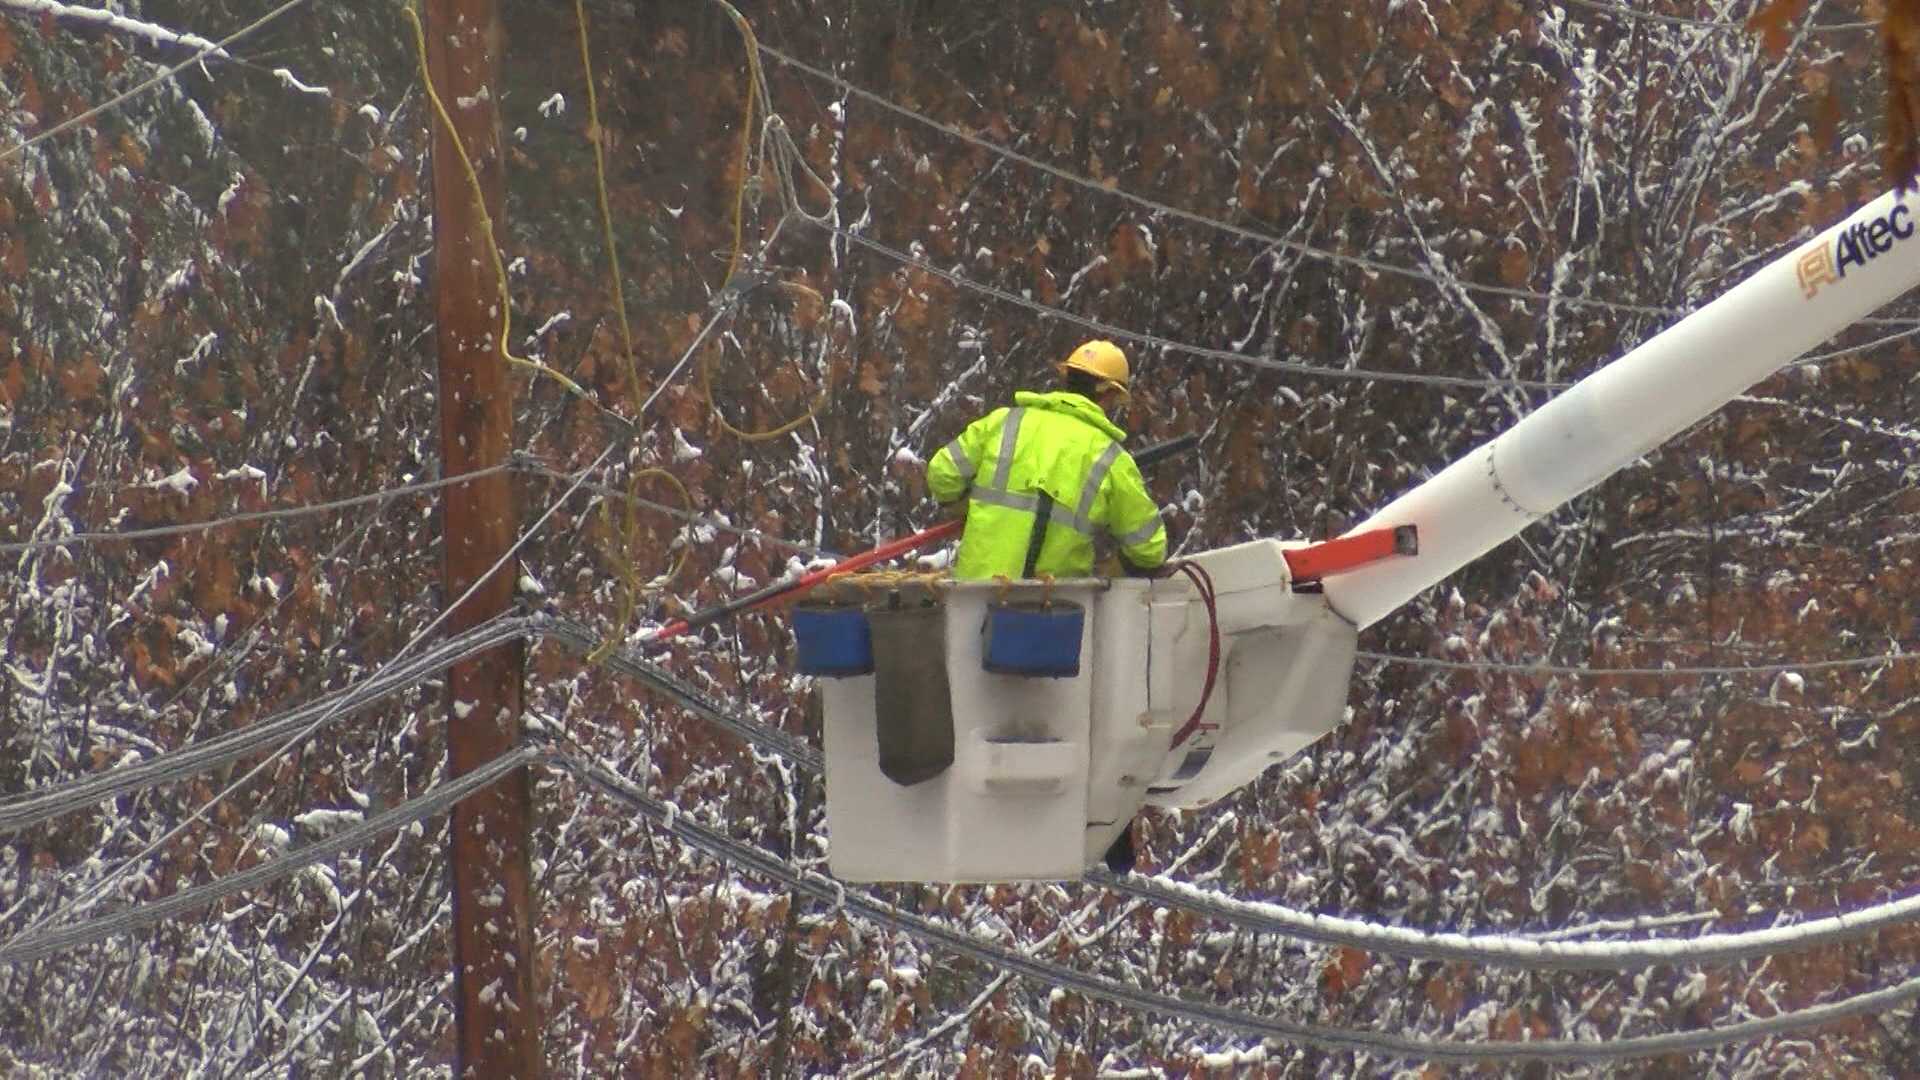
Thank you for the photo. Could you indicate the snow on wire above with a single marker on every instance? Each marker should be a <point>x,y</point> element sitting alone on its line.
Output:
<point>822,888</point>
<point>1495,949</point>
<point>24,811</point>
<point>1269,240</point>
<point>247,517</point>
<point>39,944</point>
<point>1491,949</point>
<point>165,74</point>
<point>1293,367</point>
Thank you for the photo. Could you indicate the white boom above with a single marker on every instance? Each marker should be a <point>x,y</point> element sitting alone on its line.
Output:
<point>1605,421</point>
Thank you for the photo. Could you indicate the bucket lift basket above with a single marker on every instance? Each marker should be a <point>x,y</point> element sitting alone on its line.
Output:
<point>1010,732</point>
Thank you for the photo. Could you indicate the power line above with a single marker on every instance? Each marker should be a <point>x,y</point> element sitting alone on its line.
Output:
<point>1855,350</point>
<point>38,944</point>
<point>35,945</point>
<point>1357,262</point>
<point>248,517</point>
<point>859,903</point>
<point>113,20</point>
<point>1605,672</point>
<point>533,466</point>
<point>1718,25</point>
<point>1294,367</point>
<point>1268,240</point>
<point>165,74</point>
<point>24,811</point>
<point>1502,950</point>
<point>91,894</point>
<point>1505,950</point>
<point>629,662</point>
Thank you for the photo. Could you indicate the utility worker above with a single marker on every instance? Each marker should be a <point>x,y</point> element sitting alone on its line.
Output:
<point>1045,476</point>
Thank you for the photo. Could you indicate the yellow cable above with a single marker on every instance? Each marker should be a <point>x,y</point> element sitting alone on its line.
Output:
<point>756,88</point>
<point>596,136</point>
<point>756,85</point>
<point>623,565</point>
<point>486,219</point>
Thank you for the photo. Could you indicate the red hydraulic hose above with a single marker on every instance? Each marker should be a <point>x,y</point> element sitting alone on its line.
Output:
<point>1202,584</point>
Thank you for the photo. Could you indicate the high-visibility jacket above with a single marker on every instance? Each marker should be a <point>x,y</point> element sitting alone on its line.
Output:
<point>1061,444</point>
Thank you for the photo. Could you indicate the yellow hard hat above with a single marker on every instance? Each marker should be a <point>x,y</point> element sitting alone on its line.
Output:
<point>1101,359</point>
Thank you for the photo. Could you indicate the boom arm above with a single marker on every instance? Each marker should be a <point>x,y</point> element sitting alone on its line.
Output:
<point>1608,419</point>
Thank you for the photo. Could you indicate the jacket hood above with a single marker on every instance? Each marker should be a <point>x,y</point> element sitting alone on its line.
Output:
<point>1078,406</point>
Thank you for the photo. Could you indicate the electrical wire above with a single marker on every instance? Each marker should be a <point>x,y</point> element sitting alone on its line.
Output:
<point>1294,367</point>
<point>1667,672</point>
<point>247,518</point>
<point>91,894</point>
<point>25,811</point>
<point>628,661</point>
<point>39,944</point>
<point>165,74</point>
<point>1490,949</point>
<point>527,463</point>
<point>33,946</point>
<point>1265,239</point>
<point>103,18</point>
<point>753,860</point>
<point>1499,950</point>
<point>532,465</point>
<point>1718,25</point>
<point>1510,950</point>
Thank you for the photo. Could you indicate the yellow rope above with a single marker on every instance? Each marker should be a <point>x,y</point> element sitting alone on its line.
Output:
<point>596,136</point>
<point>630,583</point>
<point>756,88</point>
<point>505,299</point>
<point>756,85</point>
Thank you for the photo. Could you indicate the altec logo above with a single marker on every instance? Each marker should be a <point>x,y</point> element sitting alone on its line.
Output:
<point>1857,245</point>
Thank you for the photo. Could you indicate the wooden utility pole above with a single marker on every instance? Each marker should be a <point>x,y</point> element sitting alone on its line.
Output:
<point>493,988</point>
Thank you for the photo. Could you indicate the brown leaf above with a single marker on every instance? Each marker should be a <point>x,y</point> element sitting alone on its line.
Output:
<point>1445,994</point>
<point>1900,34</point>
<point>81,381</point>
<point>1774,23</point>
<point>1343,971</point>
<point>1514,266</point>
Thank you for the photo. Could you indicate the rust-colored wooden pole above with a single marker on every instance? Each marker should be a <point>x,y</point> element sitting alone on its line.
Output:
<point>497,1028</point>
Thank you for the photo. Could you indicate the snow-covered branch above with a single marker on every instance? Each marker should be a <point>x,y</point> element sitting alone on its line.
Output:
<point>110,20</point>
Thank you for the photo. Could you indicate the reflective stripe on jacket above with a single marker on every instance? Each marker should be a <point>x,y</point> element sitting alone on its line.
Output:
<point>1062,444</point>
